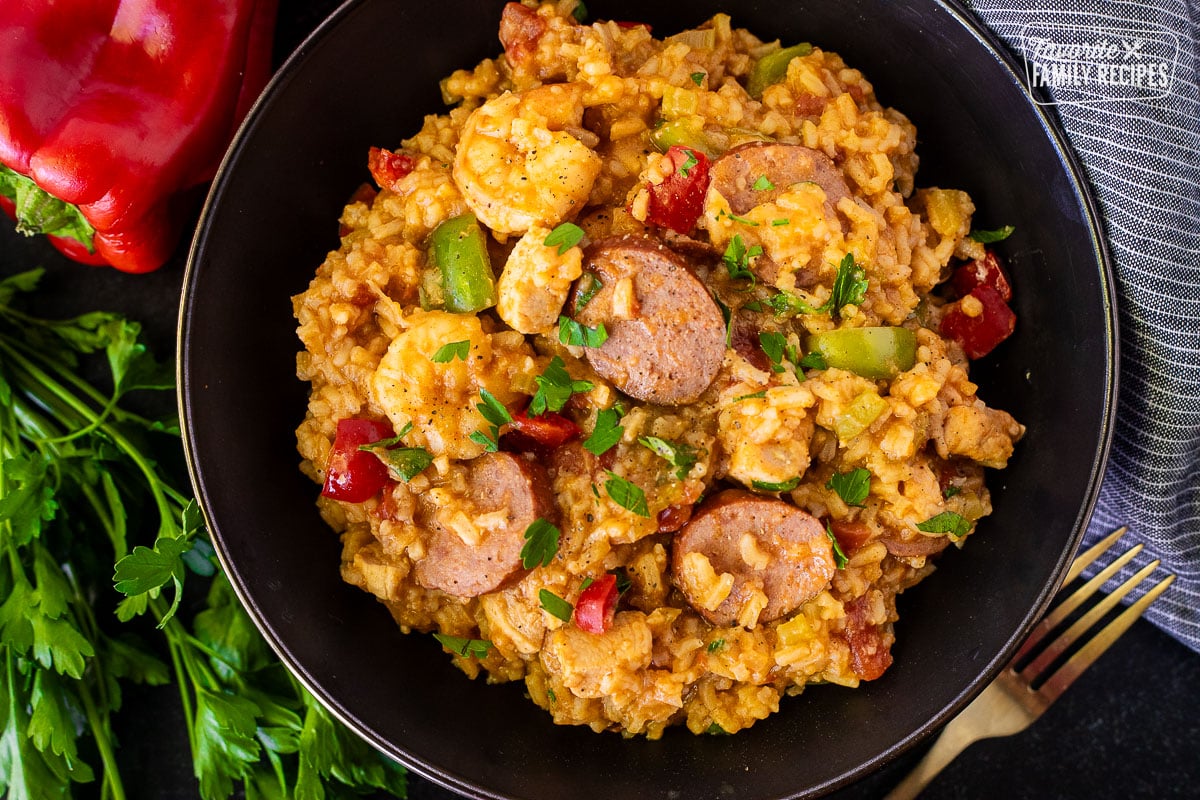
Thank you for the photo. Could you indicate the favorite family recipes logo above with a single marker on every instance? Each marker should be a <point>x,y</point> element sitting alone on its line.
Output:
<point>1087,64</point>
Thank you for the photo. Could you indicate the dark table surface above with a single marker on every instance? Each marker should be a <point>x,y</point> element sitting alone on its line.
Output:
<point>1129,728</point>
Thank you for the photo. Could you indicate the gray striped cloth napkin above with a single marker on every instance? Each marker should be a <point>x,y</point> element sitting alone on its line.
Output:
<point>1123,80</point>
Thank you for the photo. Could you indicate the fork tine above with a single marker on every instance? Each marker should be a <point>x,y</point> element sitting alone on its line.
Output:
<point>1085,622</point>
<point>1085,559</point>
<point>1064,609</point>
<point>1083,659</point>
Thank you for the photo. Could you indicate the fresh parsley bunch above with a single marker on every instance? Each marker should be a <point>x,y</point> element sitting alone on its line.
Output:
<point>79,485</point>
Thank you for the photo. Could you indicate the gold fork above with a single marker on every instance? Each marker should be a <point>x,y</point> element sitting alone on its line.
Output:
<point>1010,703</point>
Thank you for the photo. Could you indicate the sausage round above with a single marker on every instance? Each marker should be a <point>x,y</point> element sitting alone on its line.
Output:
<point>495,482</point>
<point>798,554</point>
<point>666,336</point>
<point>784,165</point>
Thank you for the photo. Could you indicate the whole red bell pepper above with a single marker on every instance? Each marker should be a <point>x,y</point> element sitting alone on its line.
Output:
<point>113,113</point>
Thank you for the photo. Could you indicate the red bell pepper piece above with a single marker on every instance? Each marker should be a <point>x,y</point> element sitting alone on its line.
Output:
<point>388,167</point>
<point>544,432</point>
<point>354,475</point>
<point>678,201</point>
<point>979,334</point>
<point>122,109</point>
<point>597,604</point>
<point>986,271</point>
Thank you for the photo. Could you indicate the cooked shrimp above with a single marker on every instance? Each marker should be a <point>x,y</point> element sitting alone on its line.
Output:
<point>535,282</point>
<point>517,164</point>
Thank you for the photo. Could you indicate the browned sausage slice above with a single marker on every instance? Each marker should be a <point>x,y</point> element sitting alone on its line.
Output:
<point>791,554</point>
<point>495,482</point>
<point>666,336</point>
<point>783,165</point>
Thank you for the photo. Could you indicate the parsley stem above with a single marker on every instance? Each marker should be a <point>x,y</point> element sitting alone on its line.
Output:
<point>103,737</point>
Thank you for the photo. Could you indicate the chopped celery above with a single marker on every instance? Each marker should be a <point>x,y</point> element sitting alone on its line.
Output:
<point>858,416</point>
<point>686,131</point>
<point>772,68</point>
<point>677,102</point>
<point>458,248</point>
<point>876,353</point>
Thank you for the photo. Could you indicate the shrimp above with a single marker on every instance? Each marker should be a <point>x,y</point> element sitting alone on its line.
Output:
<point>518,166</point>
<point>535,282</point>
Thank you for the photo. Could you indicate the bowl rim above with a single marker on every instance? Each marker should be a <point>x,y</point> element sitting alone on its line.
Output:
<point>992,46</point>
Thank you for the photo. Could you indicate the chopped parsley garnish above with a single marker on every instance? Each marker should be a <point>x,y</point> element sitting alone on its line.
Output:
<point>541,543</point>
<point>448,352</point>
<point>775,223</point>
<point>576,334</point>
<point>785,486</point>
<point>751,396</point>
<point>783,303</point>
<point>990,237</point>
<point>580,13</point>
<point>946,522</point>
<point>813,360</point>
<point>950,491</point>
<point>555,387</point>
<point>853,486</point>
<point>716,730</point>
<point>743,220</point>
<point>773,344</point>
<point>589,285</point>
<point>555,605</point>
<point>475,648</point>
<point>680,456</point>
<point>404,463</point>
<point>494,412</point>
<point>715,645</point>
<point>849,287</point>
<point>686,167</point>
<point>763,184</point>
<point>698,78</point>
<point>839,557</point>
<point>623,582</point>
<point>564,237</point>
<point>737,258</point>
<point>607,433</point>
<point>628,496</point>
<point>727,316</point>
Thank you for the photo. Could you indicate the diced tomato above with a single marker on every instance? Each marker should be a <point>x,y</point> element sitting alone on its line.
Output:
<point>979,334</point>
<point>353,475</point>
<point>850,535</point>
<point>986,271</point>
<point>520,29</point>
<point>678,201</point>
<point>870,652</point>
<point>387,167</point>
<point>597,604</point>
<point>546,431</point>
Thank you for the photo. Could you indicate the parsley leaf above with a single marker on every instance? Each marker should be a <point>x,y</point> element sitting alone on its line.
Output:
<point>737,258</point>
<point>813,360</point>
<point>555,387</point>
<point>608,431</point>
<point>680,456</point>
<point>403,463</point>
<point>763,184</point>
<point>752,396</point>
<point>475,648</point>
<point>715,645</point>
<point>698,78</point>
<point>494,412</point>
<point>589,285</point>
<point>946,522</point>
<point>991,237</point>
<point>783,486</point>
<point>541,544</point>
<point>950,491</point>
<point>853,486</point>
<point>555,605</point>
<point>686,167</point>
<point>576,334</point>
<point>564,237</point>
<point>775,223</point>
<point>627,495</point>
<point>448,352</point>
<point>773,344</point>
<point>849,287</point>
<point>839,557</point>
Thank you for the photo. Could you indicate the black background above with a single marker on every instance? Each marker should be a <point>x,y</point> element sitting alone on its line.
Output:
<point>1130,727</point>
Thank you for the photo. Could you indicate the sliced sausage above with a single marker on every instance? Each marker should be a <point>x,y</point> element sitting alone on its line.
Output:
<point>792,554</point>
<point>666,336</point>
<point>783,165</point>
<point>495,482</point>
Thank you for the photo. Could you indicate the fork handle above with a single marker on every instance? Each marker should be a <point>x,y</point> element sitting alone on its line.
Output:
<point>952,741</point>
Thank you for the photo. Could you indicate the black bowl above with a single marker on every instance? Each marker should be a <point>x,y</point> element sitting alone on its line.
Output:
<point>365,78</point>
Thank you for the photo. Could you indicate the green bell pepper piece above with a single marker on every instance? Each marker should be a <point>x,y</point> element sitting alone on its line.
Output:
<point>772,68</point>
<point>458,248</point>
<point>876,353</point>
